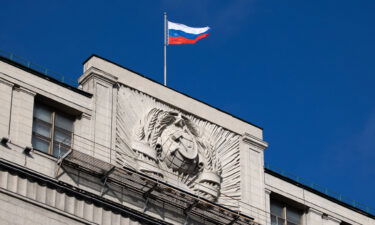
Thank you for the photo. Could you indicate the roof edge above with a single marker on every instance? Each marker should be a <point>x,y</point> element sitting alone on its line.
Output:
<point>139,74</point>
<point>41,75</point>
<point>321,194</point>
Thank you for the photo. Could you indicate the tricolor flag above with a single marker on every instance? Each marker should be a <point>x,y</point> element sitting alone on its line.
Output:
<point>179,34</point>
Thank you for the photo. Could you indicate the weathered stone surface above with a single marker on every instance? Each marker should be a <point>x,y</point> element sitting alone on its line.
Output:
<point>133,122</point>
<point>177,147</point>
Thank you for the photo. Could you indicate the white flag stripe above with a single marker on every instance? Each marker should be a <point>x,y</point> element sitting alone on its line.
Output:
<point>186,29</point>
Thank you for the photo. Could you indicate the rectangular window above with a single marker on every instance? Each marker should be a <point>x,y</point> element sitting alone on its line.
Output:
<point>52,130</point>
<point>282,214</point>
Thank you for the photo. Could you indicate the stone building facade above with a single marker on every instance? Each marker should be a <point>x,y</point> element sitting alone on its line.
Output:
<point>122,149</point>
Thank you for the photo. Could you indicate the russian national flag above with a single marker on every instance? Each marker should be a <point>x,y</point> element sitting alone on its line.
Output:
<point>179,34</point>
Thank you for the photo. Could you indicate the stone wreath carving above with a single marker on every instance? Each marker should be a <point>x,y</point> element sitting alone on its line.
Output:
<point>169,141</point>
<point>185,151</point>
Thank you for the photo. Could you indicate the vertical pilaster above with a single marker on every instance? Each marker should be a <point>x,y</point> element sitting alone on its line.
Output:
<point>116,88</point>
<point>330,220</point>
<point>252,178</point>
<point>314,217</point>
<point>268,205</point>
<point>83,135</point>
<point>5,102</point>
<point>22,116</point>
<point>101,85</point>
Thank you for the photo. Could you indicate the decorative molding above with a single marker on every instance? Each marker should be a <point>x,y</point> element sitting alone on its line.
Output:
<point>259,144</point>
<point>62,198</point>
<point>85,116</point>
<point>25,90</point>
<point>329,217</point>
<point>45,206</point>
<point>93,72</point>
<point>3,81</point>
<point>178,148</point>
<point>315,211</point>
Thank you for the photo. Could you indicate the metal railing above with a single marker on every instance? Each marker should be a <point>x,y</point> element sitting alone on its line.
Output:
<point>38,68</point>
<point>151,188</point>
<point>72,82</point>
<point>322,189</point>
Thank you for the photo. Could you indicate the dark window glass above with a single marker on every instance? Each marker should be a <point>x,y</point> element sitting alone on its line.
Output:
<point>277,209</point>
<point>43,113</point>
<point>293,215</point>
<point>52,131</point>
<point>62,136</point>
<point>42,128</point>
<point>277,220</point>
<point>273,220</point>
<point>59,149</point>
<point>283,214</point>
<point>40,144</point>
<point>64,122</point>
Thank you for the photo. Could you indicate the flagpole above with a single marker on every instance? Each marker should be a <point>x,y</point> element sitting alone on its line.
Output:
<point>165,48</point>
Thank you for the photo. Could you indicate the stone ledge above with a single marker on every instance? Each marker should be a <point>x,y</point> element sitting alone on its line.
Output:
<point>258,143</point>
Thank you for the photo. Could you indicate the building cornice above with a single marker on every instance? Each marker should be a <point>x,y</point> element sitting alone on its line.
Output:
<point>3,81</point>
<point>93,72</point>
<point>45,206</point>
<point>315,211</point>
<point>314,191</point>
<point>254,141</point>
<point>86,116</point>
<point>77,192</point>
<point>329,217</point>
<point>136,77</point>
<point>25,90</point>
<point>41,75</point>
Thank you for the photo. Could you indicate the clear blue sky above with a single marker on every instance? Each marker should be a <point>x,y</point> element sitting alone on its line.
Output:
<point>302,70</point>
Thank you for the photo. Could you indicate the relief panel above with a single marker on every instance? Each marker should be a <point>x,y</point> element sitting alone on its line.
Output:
<point>178,148</point>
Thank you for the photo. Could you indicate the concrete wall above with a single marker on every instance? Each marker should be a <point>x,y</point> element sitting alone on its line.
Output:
<point>6,89</point>
<point>321,210</point>
<point>21,116</point>
<point>93,135</point>
<point>24,201</point>
<point>170,96</point>
<point>17,211</point>
<point>57,201</point>
<point>253,198</point>
<point>45,88</point>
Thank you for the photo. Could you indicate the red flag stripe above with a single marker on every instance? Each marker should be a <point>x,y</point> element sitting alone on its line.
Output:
<point>183,40</point>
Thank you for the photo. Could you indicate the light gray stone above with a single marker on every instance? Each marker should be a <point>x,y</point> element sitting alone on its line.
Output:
<point>117,125</point>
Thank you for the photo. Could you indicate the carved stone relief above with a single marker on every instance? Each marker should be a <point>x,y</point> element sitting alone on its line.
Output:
<point>178,148</point>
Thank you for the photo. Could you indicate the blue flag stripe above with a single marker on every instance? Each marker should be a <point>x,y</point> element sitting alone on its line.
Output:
<point>179,33</point>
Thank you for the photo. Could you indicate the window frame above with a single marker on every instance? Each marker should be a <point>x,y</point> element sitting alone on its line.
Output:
<point>284,217</point>
<point>53,127</point>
